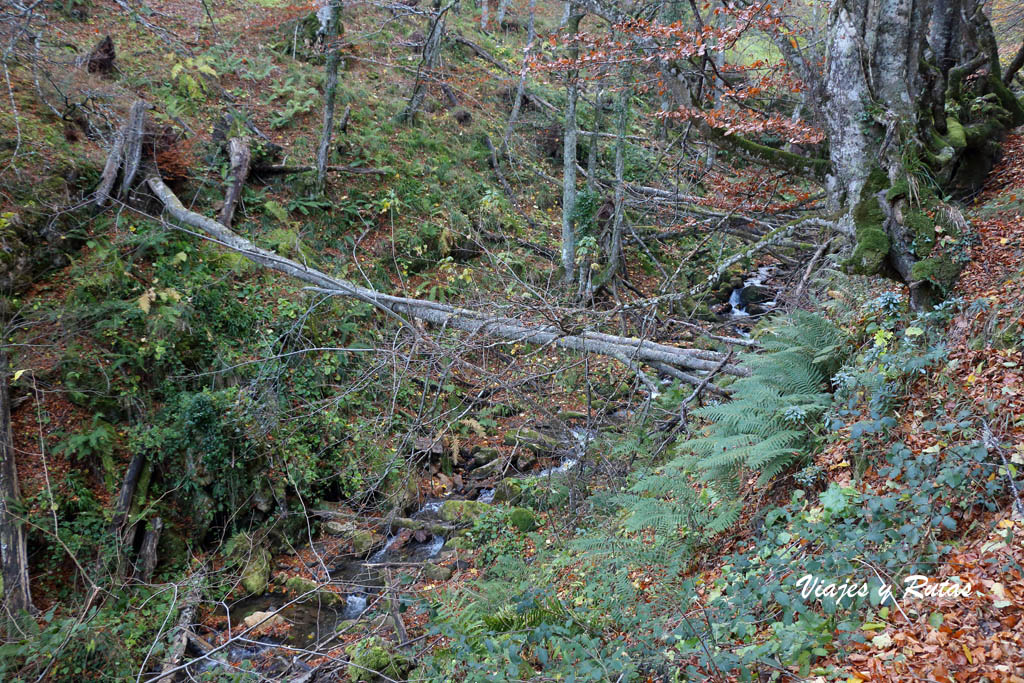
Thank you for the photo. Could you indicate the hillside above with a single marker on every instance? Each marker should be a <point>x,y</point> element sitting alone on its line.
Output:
<point>591,341</point>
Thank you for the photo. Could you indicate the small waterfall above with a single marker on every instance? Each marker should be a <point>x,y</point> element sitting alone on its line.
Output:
<point>736,301</point>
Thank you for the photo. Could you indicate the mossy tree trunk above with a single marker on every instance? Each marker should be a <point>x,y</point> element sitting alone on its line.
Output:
<point>903,133</point>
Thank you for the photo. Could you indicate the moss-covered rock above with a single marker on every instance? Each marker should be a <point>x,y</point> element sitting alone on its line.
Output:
<point>522,519</point>
<point>256,574</point>
<point>462,511</point>
<point>436,572</point>
<point>364,540</point>
<point>301,586</point>
<point>940,271</point>
<point>372,659</point>
<point>922,227</point>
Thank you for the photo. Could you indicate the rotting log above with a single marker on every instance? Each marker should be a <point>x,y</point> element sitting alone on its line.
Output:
<point>147,554</point>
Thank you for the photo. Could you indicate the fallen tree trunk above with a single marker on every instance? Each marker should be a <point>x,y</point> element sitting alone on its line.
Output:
<point>630,350</point>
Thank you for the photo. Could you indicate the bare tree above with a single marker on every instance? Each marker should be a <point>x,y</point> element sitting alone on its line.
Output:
<point>569,156</point>
<point>333,58</point>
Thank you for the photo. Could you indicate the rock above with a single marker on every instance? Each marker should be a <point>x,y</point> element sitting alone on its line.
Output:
<point>485,455</point>
<point>256,574</point>
<point>340,528</point>
<point>301,586</point>
<point>492,469</point>
<point>523,519</point>
<point>425,445</point>
<point>436,572</point>
<point>271,619</point>
<point>537,442</point>
<point>508,490</point>
<point>757,294</point>
<point>364,540</point>
<point>373,655</point>
<point>462,511</point>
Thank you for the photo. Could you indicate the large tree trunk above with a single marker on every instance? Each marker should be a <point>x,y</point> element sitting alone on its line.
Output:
<point>901,135</point>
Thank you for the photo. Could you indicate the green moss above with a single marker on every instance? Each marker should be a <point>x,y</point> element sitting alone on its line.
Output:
<point>868,218</point>
<point>940,271</point>
<point>523,519</point>
<point>257,572</point>
<point>371,658</point>
<point>462,511</point>
<point>301,586</point>
<point>899,189</point>
<point>955,134</point>
<point>923,229</point>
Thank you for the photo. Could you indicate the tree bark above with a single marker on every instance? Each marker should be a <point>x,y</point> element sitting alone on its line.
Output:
<point>17,597</point>
<point>898,126</point>
<point>333,58</point>
<point>179,636</point>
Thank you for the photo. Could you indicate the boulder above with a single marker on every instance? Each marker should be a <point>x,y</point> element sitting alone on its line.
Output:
<point>264,619</point>
<point>364,540</point>
<point>301,586</point>
<point>537,442</point>
<point>436,572</point>
<point>256,574</point>
<point>462,511</point>
<point>523,519</point>
<point>361,540</point>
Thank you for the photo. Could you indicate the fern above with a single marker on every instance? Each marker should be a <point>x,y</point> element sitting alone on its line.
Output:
<point>767,426</point>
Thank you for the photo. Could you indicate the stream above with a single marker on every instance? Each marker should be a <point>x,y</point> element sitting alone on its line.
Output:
<point>739,300</point>
<point>314,621</point>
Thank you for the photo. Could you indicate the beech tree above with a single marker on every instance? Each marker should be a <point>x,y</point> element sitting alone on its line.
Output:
<point>906,112</point>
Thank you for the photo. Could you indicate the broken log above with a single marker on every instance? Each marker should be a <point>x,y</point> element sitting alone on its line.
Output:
<point>629,350</point>
<point>133,145</point>
<point>147,554</point>
<point>101,59</point>
<point>241,157</point>
<point>111,168</point>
